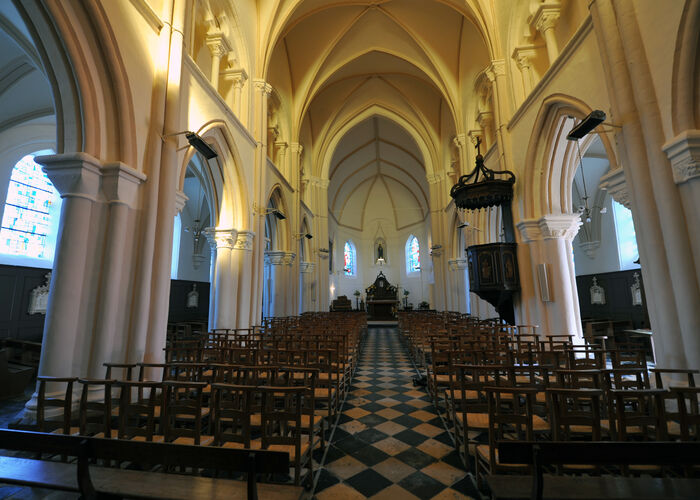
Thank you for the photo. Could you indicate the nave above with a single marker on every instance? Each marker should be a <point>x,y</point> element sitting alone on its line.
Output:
<point>390,442</point>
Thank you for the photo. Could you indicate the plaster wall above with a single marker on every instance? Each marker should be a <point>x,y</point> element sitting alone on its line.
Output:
<point>606,258</point>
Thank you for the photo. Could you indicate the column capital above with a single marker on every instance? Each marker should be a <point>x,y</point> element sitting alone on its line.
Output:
<point>523,55</point>
<point>460,140</point>
<point>218,44</point>
<point>495,69</point>
<point>220,238</point>
<point>276,257</point>
<point>289,258</point>
<point>435,177</point>
<point>554,226</point>
<point>120,184</point>
<point>236,75</point>
<point>546,16</point>
<point>244,240</point>
<point>683,152</point>
<point>319,182</point>
<point>484,119</point>
<point>281,146</point>
<point>74,175</point>
<point>296,148</point>
<point>180,200</point>
<point>457,264</point>
<point>549,227</point>
<point>615,183</point>
<point>307,267</point>
<point>262,86</point>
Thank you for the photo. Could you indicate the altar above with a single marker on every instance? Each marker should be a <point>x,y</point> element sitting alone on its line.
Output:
<point>382,300</point>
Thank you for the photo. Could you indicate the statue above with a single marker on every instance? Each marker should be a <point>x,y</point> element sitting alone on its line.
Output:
<point>380,252</point>
<point>193,297</point>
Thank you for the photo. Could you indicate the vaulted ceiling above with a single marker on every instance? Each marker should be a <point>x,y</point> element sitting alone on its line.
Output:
<point>336,63</point>
<point>377,172</point>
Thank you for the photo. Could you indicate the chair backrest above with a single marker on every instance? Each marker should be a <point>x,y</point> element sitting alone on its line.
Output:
<point>138,404</point>
<point>60,399</point>
<point>510,416</point>
<point>688,401</point>
<point>126,368</point>
<point>639,413</point>
<point>232,414</point>
<point>182,410</point>
<point>281,416</point>
<point>574,411</point>
<point>659,374</point>
<point>96,407</point>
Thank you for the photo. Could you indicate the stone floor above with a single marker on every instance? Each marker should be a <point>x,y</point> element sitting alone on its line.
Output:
<point>390,443</point>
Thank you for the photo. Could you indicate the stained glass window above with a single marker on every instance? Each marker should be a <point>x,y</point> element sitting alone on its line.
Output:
<point>412,255</point>
<point>30,219</point>
<point>349,259</point>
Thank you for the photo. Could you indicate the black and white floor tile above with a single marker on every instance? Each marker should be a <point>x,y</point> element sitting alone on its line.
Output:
<point>390,443</point>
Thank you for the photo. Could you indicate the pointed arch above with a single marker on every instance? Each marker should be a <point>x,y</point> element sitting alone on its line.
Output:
<point>412,254</point>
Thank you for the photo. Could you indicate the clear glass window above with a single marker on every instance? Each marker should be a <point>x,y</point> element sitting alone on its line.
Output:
<point>626,237</point>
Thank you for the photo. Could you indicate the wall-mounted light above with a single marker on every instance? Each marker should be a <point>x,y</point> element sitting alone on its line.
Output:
<point>594,118</point>
<point>197,143</point>
<point>298,236</point>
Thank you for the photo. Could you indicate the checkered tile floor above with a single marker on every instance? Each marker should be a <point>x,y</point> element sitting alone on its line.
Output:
<point>390,443</point>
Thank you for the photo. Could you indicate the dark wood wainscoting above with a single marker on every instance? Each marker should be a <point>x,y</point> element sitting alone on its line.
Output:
<point>16,285</point>
<point>618,298</point>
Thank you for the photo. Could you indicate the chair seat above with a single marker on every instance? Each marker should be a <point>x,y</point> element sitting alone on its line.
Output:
<point>203,440</point>
<point>442,379</point>
<point>539,424</point>
<point>484,452</point>
<point>114,434</point>
<point>291,449</point>
<point>478,420</point>
<point>154,439</point>
<point>324,392</point>
<point>255,444</point>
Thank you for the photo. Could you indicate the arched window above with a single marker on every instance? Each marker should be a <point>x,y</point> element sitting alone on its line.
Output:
<point>349,259</point>
<point>626,237</point>
<point>30,219</point>
<point>412,255</point>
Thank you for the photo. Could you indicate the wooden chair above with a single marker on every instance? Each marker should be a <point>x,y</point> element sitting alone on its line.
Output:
<point>510,417</point>
<point>688,401</point>
<point>139,410</point>
<point>659,374</point>
<point>59,423</point>
<point>231,416</point>
<point>183,415</point>
<point>575,414</point>
<point>96,412</point>
<point>282,427</point>
<point>312,423</point>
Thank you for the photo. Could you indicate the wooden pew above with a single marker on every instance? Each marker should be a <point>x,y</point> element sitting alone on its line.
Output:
<point>94,482</point>
<point>546,486</point>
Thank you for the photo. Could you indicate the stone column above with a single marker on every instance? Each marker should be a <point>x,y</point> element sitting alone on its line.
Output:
<point>438,190</point>
<point>224,279</point>
<point>120,188</point>
<point>549,239</point>
<point>460,292</point>
<point>523,56</point>
<point>290,284</point>
<point>276,260</point>
<point>496,73</point>
<point>218,47</point>
<point>307,270</point>
<point>319,206</point>
<point>68,327</point>
<point>544,20</point>
<point>237,77</point>
<point>243,257</point>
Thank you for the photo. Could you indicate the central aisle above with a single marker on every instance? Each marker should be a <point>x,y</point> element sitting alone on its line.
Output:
<point>390,443</point>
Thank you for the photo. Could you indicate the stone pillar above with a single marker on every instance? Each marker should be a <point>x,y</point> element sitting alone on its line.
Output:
<point>549,239</point>
<point>544,20</point>
<point>243,258</point>
<point>460,291</point>
<point>307,274</point>
<point>523,56</point>
<point>68,327</point>
<point>120,188</point>
<point>438,224</point>
<point>262,93</point>
<point>224,279</point>
<point>218,47</point>
<point>496,73</point>
<point>290,284</point>
<point>319,206</point>
<point>237,77</point>
<point>276,259</point>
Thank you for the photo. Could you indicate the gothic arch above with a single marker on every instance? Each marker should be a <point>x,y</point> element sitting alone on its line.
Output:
<point>551,161</point>
<point>81,60</point>
<point>276,199</point>
<point>686,71</point>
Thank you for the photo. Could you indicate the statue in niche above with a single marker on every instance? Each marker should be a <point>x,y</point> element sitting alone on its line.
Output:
<point>636,290</point>
<point>39,297</point>
<point>193,297</point>
<point>380,251</point>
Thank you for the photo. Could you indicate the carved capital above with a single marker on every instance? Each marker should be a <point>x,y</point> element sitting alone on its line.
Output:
<point>244,241</point>
<point>218,44</point>
<point>319,182</point>
<point>457,264</point>
<point>495,69</point>
<point>545,17</point>
<point>275,257</point>
<point>460,140</point>
<point>683,152</point>
<point>485,119</point>
<point>529,230</point>
<point>220,238</point>
<point>615,183</point>
<point>180,200</point>
<point>436,177</point>
<point>263,87</point>
<point>560,226</point>
<point>307,267</point>
<point>523,56</point>
<point>238,76</point>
